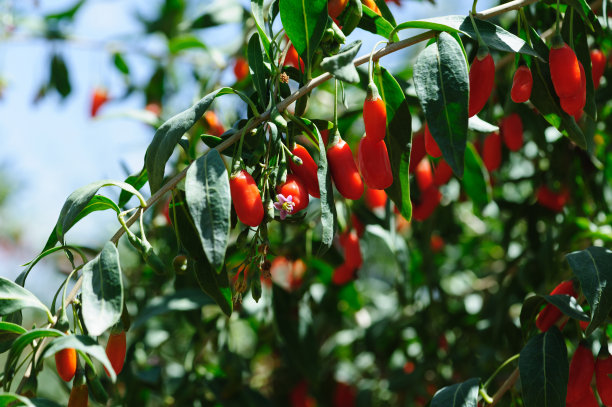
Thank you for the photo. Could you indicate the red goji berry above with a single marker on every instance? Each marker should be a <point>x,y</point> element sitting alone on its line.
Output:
<point>241,68</point>
<point>598,66</point>
<point>564,69</point>
<point>443,173</point>
<point>603,368</point>
<point>352,249</point>
<point>246,198</point>
<point>491,152</point>
<point>424,175</point>
<point>551,314</point>
<point>522,82</point>
<point>573,105</point>
<point>66,363</point>
<point>115,351</point>
<point>215,127</point>
<point>511,129</point>
<point>307,171</point>
<point>436,243</point>
<point>417,151</point>
<point>293,59</point>
<point>588,399</point>
<point>79,396</point>
<point>581,371</point>
<point>431,146</point>
<point>482,80</point>
<point>295,187</point>
<point>429,201</point>
<point>336,7</point>
<point>344,171</point>
<point>343,274</point>
<point>375,198</point>
<point>299,396</point>
<point>374,163</point>
<point>98,98</point>
<point>552,200</point>
<point>357,225</point>
<point>374,115</point>
<point>344,395</point>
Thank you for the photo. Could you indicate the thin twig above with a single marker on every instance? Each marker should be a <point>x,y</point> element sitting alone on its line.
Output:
<point>508,384</point>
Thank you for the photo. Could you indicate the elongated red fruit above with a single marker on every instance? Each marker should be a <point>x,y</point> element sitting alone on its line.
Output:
<point>98,98</point>
<point>343,274</point>
<point>511,129</point>
<point>603,368</point>
<point>66,363</point>
<point>429,201</point>
<point>344,171</point>
<point>375,198</point>
<point>241,68</point>
<point>551,314</point>
<point>581,371</point>
<point>588,399</point>
<point>374,163</point>
<point>491,152</point>
<point>551,199</point>
<point>374,116</point>
<point>293,186</point>
<point>344,395</point>
<point>443,173</point>
<point>598,66</point>
<point>352,249</point>
<point>573,105</point>
<point>336,7</point>
<point>430,144</point>
<point>246,198</point>
<point>417,151</point>
<point>482,80</point>
<point>115,350</point>
<point>357,225</point>
<point>424,175</point>
<point>522,82</point>
<point>564,70</point>
<point>307,171</point>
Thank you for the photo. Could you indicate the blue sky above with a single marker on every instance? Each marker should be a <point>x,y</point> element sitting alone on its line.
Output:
<point>50,149</point>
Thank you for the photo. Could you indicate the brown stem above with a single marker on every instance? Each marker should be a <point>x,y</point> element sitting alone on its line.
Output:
<point>508,384</point>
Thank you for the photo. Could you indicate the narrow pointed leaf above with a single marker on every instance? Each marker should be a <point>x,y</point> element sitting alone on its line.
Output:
<point>102,291</point>
<point>207,193</point>
<point>372,22</point>
<point>593,267</point>
<point>476,178</point>
<point>257,8</point>
<point>258,69</point>
<point>304,22</point>
<point>341,65</point>
<point>216,285</point>
<point>441,81</point>
<point>458,395</point>
<point>544,370</point>
<point>14,297</point>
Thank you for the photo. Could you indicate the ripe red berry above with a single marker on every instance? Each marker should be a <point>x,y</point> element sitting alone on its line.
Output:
<point>417,151</point>
<point>442,173</point>
<point>521,85</point>
<point>581,371</point>
<point>343,274</point>
<point>427,204</point>
<point>336,7</point>
<point>98,98</point>
<point>357,225</point>
<point>352,249</point>
<point>603,368</point>
<point>491,152</point>
<point>344,395</point>
<point>344,171</point>
<point>552,200</point>
<point>430,144</point>
<point>115,351</point>
<point>588,399</point>
<point>436,243</point>
<point>307,171</point>
<point>564,70</point>
<point>374,163</point>
<point>293,59</point>
<point>375,117</point>
<point>241,68</point>
<point>246,198</point>
<point>66,363</point>
<point>598,64</point>
<point>299,396</point>
<point>573,105</point>
<point>215,127</point>
<point>424,175</point>
<point>375,198</point>
<point>482,80</point>
<point>293,186</point>
<point>551,314</point>
<point>511,129</point>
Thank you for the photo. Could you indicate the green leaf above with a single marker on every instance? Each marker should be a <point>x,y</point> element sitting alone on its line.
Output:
<point>567,305</point>
<point>304,22</point>
<point>20,344</point>
<point>341,65</point>
<point>546,101</point>
<point>458,395</point>
<point>186,299</point>
<point>593,267</point>
<point>66,14</point>
<point>216,285</point>
<point>83,344</point>
<point>102,291</point>
<point>351,16</point>
<point>183,42</point>
<point>493,35</point>
<point>372,22</point>
<point>442,85</point>
<point>9,399</point>
<point>586,14</point>
<point>169,134</point>
<point>476,178</point>
<point>258,17</point>
<point>384,10</point>
<point>207,192</point>
<point>544,370</point>
<point>78,202</point>
<point>137,181</point>
<point>8,333</point>
<point>256,65</point>
<point>120,63</point>
<point>398,139</point>
<point>59,77</point>
<point>14,297</point>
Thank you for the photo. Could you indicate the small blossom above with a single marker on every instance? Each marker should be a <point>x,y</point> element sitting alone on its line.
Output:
<point>284,205</point>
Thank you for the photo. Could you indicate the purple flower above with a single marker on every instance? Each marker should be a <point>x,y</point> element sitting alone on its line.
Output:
<point>284,205</point>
